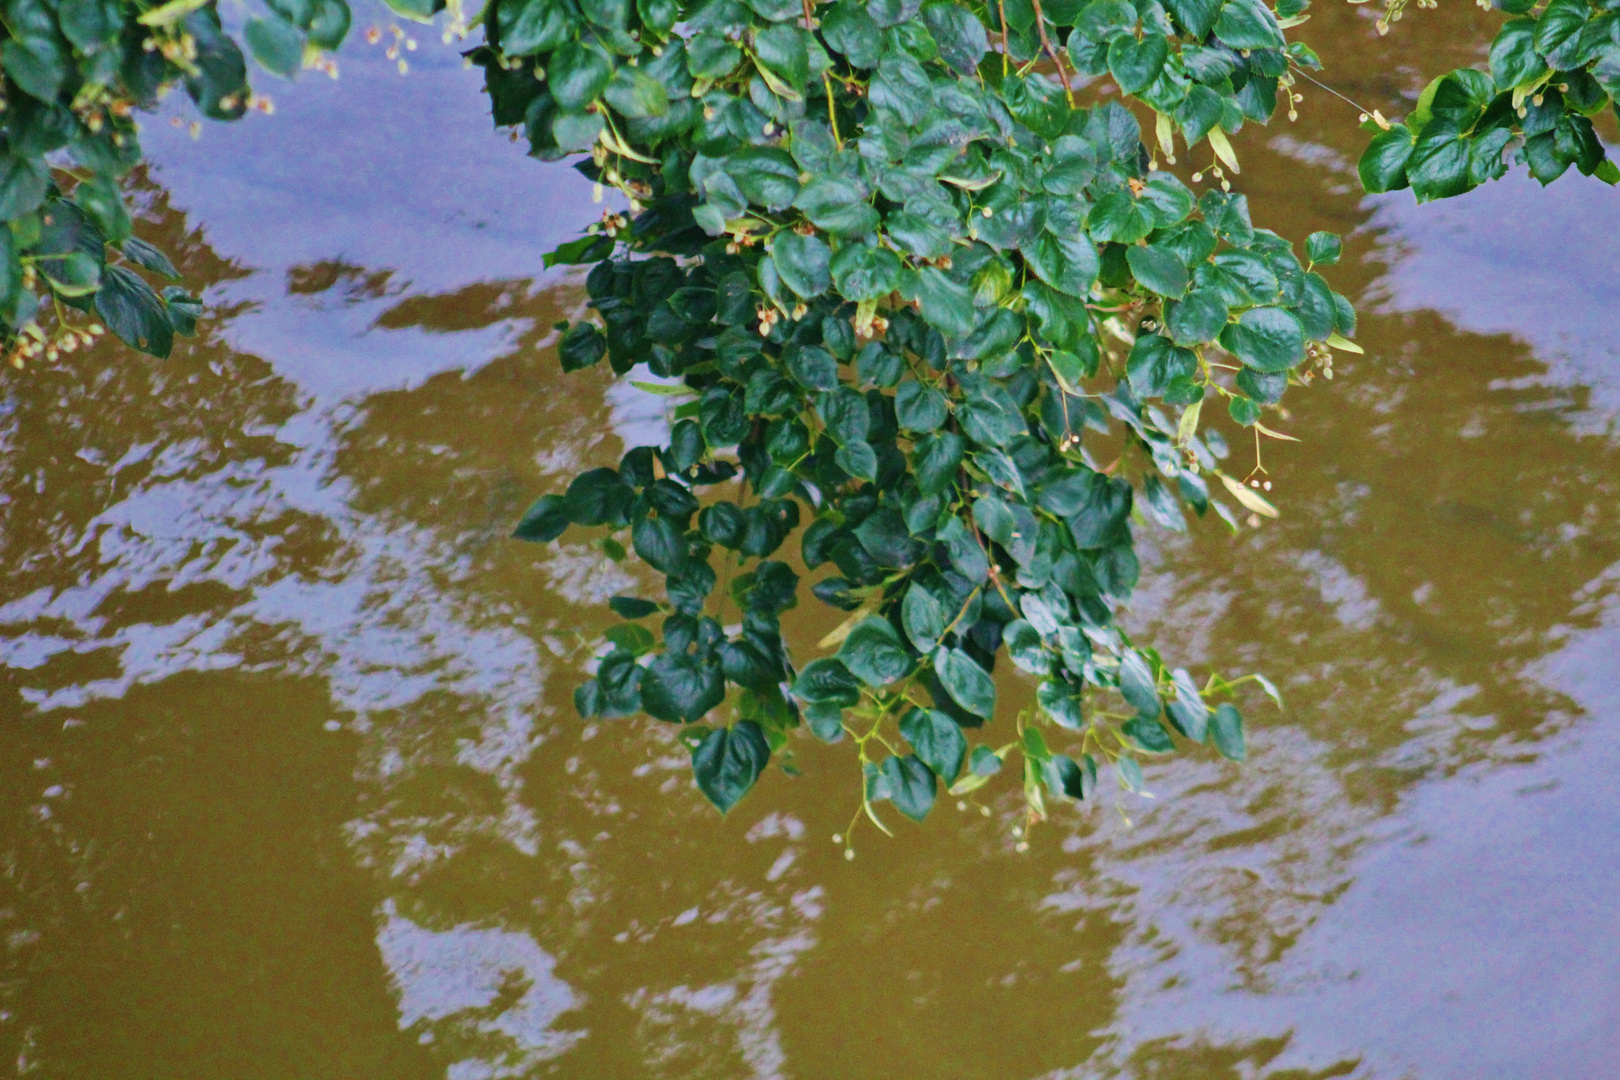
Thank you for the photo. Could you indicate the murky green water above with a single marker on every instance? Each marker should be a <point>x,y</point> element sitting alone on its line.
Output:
<point>293,786</point>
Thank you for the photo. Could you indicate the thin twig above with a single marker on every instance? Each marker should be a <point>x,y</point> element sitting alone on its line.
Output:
<point>1046,43</point>
<point>1301,71</point>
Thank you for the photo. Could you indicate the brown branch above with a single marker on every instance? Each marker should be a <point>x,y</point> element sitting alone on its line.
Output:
<point>1046,43</point>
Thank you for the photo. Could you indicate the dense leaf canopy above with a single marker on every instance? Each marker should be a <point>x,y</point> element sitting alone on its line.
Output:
<point>925,298</point>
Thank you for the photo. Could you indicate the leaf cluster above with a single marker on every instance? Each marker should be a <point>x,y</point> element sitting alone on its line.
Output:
<point>902,281</point>
<point>1552,69</point>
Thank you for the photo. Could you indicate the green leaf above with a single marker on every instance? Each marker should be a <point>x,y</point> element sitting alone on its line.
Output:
<point>958,33</point>
<point>134,312</point>
<point>874,652</point>
<point>1135,64</point>
<point>630,607</point>
<point>1558,31</point>
<point>1137,685</point>
<point>681,688</point>
<point>1226,731</point>
<point>937,740</point>
<point>581,346</point>
<point>1383,164</point>
<point>782,50</point>
<point>711,56</point>
<point>148,257</point>
<point>103,204</point>
<point>635,94</point>
<point>728,762</point>
<point>858,459</point>
<point>1514,59</point>
<point>1248,24</point>
<point>1025,648</point>
<point>946,305</point>
<point>532,26</point>
<point>804,263</point>
<point>1197,17</point>
<point>1266,339</point>
<point>39,70</point>
<point>577,75</point>
<point>920,408</point>
<point>1148,735</point>
<point>278,47</point>
<point>660,543</point>
<point>840,207</point>
<point>1198,318</point>
<point>329,24</point>
<point>1061,703</point>
<point>935,461</point>
<point>966,682</point>
<point>1439,166</point>
<point>1158,269</point>
<point>1118,216</point>
<point>544,521</point>
<point>924,617</point>
<point>865,273</point>
<point>828,680</point>
<point>1066,778</point>
<point>23,183</point>
<point>1067,265</point>
<point>814,369</point>
<point>637,640</point>
<point>850,30</point>
<point>184,310</point>
<point>1187,710</point>
<point>1323,248</point>
<point>911,785</point>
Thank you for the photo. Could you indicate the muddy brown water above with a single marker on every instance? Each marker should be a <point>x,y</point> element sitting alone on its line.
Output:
<point>292,786</point>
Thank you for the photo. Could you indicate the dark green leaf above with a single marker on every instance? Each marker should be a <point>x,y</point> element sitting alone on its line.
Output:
<point>1198,318</point>
<point>278,47</point>
<point>804,263</point>
<point>911,785</point>
<point>631,607</point>
<point>1226,731</point>
<point>544,521</point>
<point>937,740</point>
<point>660,543</point>
<point>148,257</point>
<point>1067,265</point>
<point>682,688</point>
<point>1158,269</point>
<point>946,305</point>
<point>1383,164</point>
<point>827,680</point>
<point>865,273</point>
<point>924,616</point>
<point>920,408</point>
<point>134,312</point>
<point>1266,339</point>
<point>935,460</point>
<point>1135,64</point>
<point>1323,248</point>
<point>581,346</point>
<point>634,93</point>
<point>874,652</point>
<point>728,762</point>
<point>1148,735</point>
<point>1025,648</point>
<point>577,75</point>
<point>966,682</point>
<point>1136,683</point>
